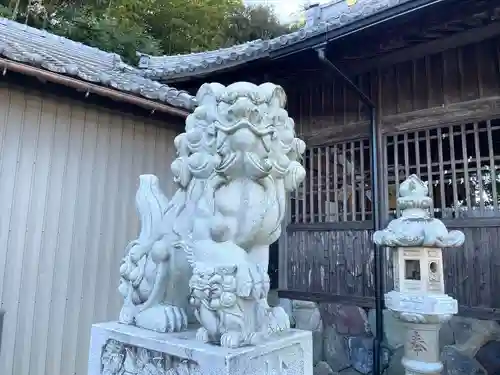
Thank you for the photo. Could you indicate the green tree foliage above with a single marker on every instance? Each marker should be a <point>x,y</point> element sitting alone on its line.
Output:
<point>109,33</point>
<point>150,26</point>
<point>248,23</point>
<point>5,11</point>
<point>190,25</point>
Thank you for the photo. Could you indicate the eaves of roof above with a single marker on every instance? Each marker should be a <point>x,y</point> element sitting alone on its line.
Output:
<point>102,72</point>
<point>347,20</point>
<point>397,9</point>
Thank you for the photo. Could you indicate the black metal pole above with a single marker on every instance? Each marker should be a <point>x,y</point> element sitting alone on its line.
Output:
<point>378,253</point>
<point>377,222</point>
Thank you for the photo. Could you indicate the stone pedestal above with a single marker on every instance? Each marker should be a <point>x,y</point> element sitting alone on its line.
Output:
<point>118,349</point>
<point>422,349</point>
<point>422,315</point>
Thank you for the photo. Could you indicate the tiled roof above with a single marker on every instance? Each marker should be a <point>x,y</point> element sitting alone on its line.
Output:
<point>336,15</point>
<point>39,48</point>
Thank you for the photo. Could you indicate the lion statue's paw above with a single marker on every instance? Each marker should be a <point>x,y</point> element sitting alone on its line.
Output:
<point>279,320</point>
<point>202,335</point>
<point>162,318</point>
<point>231,340</point>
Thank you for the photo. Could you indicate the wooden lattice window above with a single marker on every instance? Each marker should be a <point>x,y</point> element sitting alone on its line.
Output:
<point>461,164</point>
<point>337,186</point>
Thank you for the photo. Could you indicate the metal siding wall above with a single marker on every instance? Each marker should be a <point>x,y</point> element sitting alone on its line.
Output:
<point>68,177</point>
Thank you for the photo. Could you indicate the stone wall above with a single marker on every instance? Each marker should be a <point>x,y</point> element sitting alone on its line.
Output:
<point>343,339</point>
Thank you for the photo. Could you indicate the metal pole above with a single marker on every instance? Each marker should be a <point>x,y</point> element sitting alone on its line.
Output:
<point>377,222</point>
<point>2,314</point>
<point>377,250</point>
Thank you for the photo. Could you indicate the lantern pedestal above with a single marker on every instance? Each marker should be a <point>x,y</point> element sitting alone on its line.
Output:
<point>422,315</point>
<point>422,349</point>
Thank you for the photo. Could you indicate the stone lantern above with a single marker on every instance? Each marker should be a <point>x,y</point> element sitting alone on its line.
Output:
<point>418,298</point>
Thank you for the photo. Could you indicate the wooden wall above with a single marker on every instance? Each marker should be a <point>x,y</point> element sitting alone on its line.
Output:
<point>68,177</point>
<point>442,109</point>
<point>326,110</point>
<point>339,264</point>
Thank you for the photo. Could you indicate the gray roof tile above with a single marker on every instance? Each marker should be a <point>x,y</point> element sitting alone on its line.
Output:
<point>337,14</point>
<point>39,48</point>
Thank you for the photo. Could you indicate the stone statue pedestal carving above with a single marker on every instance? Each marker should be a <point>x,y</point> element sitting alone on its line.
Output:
<point>418,298</point>
<point>119,349</point>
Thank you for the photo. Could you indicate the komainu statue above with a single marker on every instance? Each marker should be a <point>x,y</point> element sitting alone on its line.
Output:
<point>204,253</point>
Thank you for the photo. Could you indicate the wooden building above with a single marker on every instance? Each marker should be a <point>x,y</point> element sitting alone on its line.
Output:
<point>432,70</point>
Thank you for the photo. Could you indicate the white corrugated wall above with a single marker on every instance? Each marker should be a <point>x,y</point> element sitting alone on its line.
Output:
<point>68,177</point>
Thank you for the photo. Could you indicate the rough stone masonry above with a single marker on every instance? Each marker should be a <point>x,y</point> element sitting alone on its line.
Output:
<point>343,338</point>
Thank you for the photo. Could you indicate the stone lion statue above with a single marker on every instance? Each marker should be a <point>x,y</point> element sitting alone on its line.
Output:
<point>203,255</point>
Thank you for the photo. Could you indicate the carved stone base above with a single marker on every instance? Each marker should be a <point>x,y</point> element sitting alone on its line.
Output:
<point>119,349</point>
<point>422,315</point>
<point>422,349</point>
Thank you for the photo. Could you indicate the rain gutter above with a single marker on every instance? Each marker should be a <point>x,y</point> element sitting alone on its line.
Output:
<point>377,223</point>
